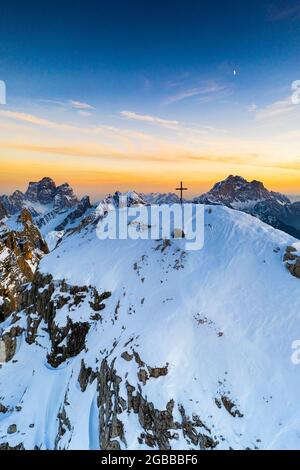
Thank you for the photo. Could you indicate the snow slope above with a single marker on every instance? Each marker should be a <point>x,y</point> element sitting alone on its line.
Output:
<point>220,321</point>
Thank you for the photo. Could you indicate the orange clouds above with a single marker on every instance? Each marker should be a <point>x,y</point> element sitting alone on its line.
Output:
<point>102,158</point>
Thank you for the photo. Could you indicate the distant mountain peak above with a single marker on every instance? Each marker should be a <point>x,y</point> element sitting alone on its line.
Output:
<point>3,212</point>
<point>160,198</point>
<point>43,192</point>
<point>238,193</point>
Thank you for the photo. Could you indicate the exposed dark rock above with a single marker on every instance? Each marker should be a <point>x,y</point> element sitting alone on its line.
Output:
<point>290,249</point>
<point>126,356</point>
<point>32,328</point>
<point>64,425</point>
<point>10,342</point>
<point>231,407</point>
<point>12,429</point>
<point>160,427</point>
<point>138,360</point>
<point>290,254</point>
<point>143,376</point>
<point>39,303</point>
<point>42,191</point>
<point>86,376</point>
<point>97,304</point>
<point>3,409</point>
<point>110,406</point>
<point>80,210</point>
<point>13,203</point>
<point>73,335</point>
<point>236,189</point>
<point>22,251</point>
<point>6,446</point>
<point>3,211</point>
<point>292,261</point>
<point>156,372</point>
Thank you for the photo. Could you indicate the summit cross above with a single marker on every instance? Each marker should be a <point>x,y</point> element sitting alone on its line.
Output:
<point>181,189</point>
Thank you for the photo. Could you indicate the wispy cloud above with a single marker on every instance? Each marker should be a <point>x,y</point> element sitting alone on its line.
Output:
<point>177,126</point>
<point>32,119</point>
<point>236,159</point>
<point>170,124</point>
<point>80,105</point>
<point>106,152</point>
<point>290,10</point>
<point>93,130</point>
<point>83,109</point>
<point>205,89</point>
<point>278,108</point>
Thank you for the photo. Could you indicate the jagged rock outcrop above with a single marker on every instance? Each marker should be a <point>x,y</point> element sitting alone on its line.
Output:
<point>64,197</point>
<point>66,342</point>
<point>9,342</point>
<point>292,261</point>
<point>14,203</point>
<point>46,192</point>
<point>3,211</point>
<point>159,427</point>
<point>6,446</point>
<point>80,210</point>
<point>86,376</point>
<point>239,193</point>
<point>41,198</point>
<point>271,207</point>
<point>42,191</point>
<point>21,250</point>
<point>40,301</point>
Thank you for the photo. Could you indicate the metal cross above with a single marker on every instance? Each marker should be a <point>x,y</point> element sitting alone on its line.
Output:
<point>181,189</point>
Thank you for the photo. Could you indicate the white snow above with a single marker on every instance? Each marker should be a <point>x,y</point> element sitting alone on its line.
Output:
<point>248,305</point>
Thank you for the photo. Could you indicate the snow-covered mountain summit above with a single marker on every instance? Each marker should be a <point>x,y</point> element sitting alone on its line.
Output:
<point>160,198</point>
<point>238,193</point>
<point>53,208</point>
<point>41,197</point>
<point>141,344</point>
<point>134,198</point>
<point>271,207</point>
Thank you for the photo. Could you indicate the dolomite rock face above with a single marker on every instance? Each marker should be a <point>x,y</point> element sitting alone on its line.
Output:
<point>235,191</point>
<point>292,261</point>
<point>158,427</point>
<point>9,343</point>
<point>45,192</point>
<point>2,351</point>
<point>14,203</point>
<point>20,252</point>
<point>3,212</point>
<point>6,446</point>
<point>270,207</point>
<point>83,206</point>
<point>41,301</point>
<point>53,208</point>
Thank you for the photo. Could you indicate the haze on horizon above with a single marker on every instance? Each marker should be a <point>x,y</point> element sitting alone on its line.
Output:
<point>143,95</point>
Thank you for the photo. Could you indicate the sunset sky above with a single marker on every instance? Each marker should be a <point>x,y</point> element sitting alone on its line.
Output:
<point>128,94</point>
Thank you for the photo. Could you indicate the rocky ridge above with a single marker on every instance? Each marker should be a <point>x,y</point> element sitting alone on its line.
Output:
<point>20,252</point>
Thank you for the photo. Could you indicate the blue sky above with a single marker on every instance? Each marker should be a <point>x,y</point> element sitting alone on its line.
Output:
<point>121,52</point>
<point>172,70</point>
